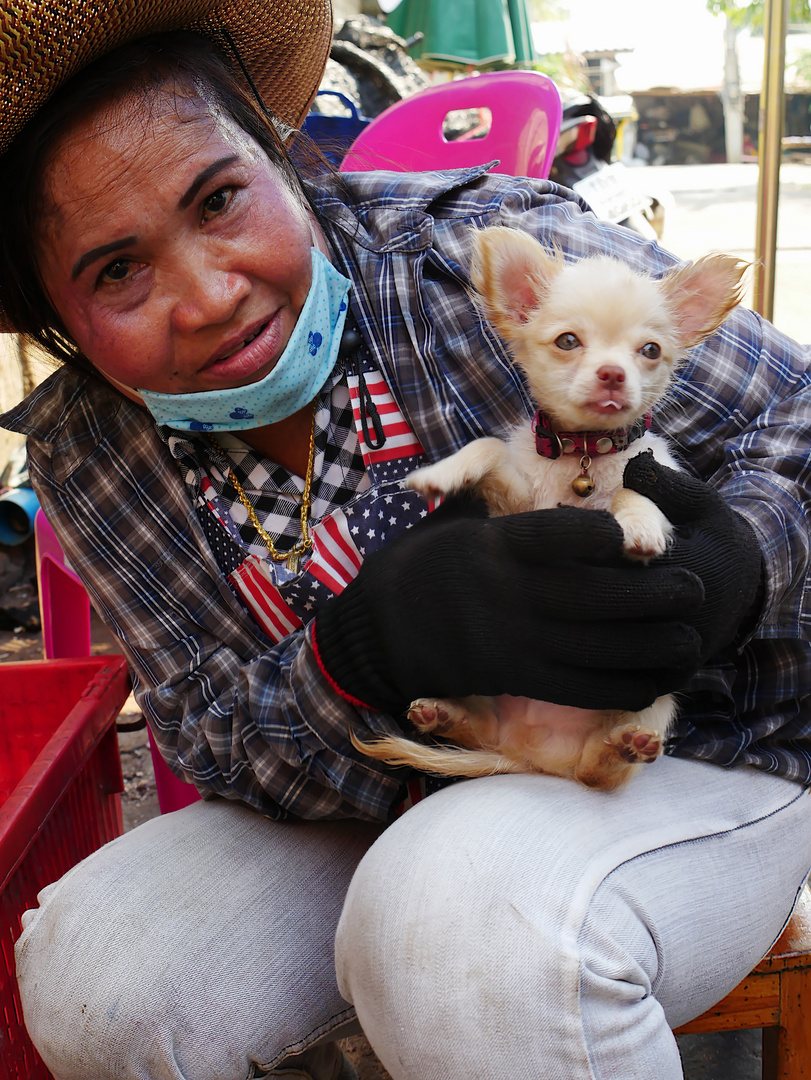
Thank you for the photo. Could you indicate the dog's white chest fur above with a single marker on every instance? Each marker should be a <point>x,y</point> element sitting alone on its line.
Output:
<point>548,481</point>
<point>512,477</point>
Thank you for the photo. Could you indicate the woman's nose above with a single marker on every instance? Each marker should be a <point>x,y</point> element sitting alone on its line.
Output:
<point>207,295</point>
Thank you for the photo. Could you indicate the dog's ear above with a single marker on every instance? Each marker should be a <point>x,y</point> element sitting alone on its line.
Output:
<point>511,272</point>
<point>702,294</point>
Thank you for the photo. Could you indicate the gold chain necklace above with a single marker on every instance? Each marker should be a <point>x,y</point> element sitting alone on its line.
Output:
<point>292,557</point>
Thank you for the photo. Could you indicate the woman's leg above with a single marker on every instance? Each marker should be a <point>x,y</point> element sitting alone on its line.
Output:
<point>525,926</point>
<point>196,946</point>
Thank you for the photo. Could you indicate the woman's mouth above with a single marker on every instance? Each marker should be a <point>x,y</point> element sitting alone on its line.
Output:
<point>242,360</point>
<point>242,344</point>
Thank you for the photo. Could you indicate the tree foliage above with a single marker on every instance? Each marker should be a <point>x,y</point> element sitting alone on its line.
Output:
<point>541,10</point>
<point>802,68</point>
<point>751,14</point>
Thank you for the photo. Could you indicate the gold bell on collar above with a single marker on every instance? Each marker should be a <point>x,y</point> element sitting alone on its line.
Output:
<point>583,485</point>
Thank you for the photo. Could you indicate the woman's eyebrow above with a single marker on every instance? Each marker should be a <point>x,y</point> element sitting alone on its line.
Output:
<point>98,253</point>
<point>203,178</point>
<point>183,204</point>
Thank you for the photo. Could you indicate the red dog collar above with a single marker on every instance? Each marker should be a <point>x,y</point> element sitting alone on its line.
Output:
<point>552,444</point>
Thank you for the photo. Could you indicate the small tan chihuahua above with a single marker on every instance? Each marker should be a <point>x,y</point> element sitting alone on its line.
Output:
<point>598,344</point>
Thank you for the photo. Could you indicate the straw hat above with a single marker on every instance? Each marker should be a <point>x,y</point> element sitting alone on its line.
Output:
<point>284,45</point>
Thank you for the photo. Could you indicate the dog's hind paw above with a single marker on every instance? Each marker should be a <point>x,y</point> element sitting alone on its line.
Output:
<point>431,714</point>
<point>635,744</point>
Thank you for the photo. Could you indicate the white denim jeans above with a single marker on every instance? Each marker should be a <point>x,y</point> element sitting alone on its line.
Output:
<point>195,947</point>
<point>522,926</point>
<point>514,926</point>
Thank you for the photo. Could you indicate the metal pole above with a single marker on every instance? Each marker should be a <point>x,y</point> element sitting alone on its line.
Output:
<point>770,138</point>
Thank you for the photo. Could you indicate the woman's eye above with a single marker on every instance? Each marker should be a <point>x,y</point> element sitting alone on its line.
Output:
<point>116,271</point>
<point>567,341</point>
<point>651,351</point>
<point>217,202</point>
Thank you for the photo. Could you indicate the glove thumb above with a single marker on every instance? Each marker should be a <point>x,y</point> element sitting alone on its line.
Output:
<point>682,498</point>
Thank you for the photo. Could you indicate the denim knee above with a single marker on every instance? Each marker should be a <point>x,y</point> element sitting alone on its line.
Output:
<point>198,945</point>
<point>524,923</point>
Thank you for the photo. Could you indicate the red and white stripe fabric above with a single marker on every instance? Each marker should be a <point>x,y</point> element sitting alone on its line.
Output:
<point>416,793</point>
<point>401,442</point>
<point>266,603</point>
<point>335,559</point>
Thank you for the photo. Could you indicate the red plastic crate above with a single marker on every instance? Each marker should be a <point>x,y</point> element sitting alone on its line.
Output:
<point>60,800</point>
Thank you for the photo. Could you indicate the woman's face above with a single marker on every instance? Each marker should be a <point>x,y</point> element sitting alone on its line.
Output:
<point>174,252</point>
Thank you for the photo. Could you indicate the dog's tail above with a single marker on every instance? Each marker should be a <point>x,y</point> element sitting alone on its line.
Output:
<point>440,760</point>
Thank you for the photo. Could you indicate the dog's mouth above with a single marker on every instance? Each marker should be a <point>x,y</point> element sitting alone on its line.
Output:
<point>610,406</point>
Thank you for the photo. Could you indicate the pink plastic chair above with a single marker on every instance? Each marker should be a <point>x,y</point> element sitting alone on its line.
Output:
<point>65,613</point>
<point>63,603</point>
<point>525,114</point>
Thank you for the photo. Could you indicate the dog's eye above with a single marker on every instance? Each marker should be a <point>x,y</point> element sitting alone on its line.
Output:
<point>567,341</point>
<point>651,351</point>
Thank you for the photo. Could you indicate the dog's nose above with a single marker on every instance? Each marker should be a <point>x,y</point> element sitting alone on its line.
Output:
<point>611,376</point>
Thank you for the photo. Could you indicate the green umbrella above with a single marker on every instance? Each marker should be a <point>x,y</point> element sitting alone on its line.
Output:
<point>466,33</point>
<point>522,34</point>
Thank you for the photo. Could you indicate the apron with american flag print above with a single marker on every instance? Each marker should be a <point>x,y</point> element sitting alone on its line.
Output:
<point>281,601</point>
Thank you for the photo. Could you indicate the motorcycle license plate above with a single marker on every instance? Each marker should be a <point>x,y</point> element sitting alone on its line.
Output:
<point>610,194</point>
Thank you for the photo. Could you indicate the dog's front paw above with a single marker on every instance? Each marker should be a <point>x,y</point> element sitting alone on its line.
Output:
<point>644,539</point>
<point>430,481</point>
<point>645,529</point>
<point>635,744</point>
<point>432,714</point>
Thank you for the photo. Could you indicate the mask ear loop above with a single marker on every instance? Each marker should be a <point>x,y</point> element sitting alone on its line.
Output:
<point>352,342</point>
<point>128,391</point>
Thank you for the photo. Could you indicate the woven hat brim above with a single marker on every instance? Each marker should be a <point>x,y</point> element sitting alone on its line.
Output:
<point>284,44</point>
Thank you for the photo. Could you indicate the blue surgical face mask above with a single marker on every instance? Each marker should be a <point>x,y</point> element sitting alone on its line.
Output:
<point>301,371</point>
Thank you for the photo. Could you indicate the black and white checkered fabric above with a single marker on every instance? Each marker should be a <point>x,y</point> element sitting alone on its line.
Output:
<point>274,492</point>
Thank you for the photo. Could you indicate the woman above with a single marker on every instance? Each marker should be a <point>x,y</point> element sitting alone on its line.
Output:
<point>253,361</point>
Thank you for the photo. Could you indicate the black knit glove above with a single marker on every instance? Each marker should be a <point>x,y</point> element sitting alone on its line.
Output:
<point>541,604</point>
<point>712,541</point>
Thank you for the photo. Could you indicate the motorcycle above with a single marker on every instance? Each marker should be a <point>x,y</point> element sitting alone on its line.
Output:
<point>369,69</point>
<point>583,162</point>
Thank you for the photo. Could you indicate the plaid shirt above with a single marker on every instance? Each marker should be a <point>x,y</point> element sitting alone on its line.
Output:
<point>252,719</point>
